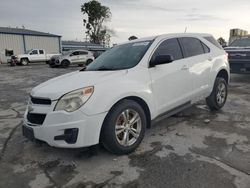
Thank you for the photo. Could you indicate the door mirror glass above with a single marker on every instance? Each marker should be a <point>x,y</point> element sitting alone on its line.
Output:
<point>161,59</point>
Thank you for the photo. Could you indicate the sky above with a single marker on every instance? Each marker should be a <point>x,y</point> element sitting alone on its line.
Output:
<point>141,18</point>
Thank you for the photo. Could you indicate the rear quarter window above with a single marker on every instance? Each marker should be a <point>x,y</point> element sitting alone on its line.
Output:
<point>213,41</point>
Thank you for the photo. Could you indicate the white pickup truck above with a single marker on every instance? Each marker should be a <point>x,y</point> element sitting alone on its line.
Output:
<point>34,55</point>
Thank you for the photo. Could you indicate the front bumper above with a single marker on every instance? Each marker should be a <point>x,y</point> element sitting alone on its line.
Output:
<point>57,124</point>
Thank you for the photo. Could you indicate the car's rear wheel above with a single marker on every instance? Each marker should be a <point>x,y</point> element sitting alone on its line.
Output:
<point>218,97</point>
<point>24,62</point>
<point>124,127</point>
<point>65,63</point>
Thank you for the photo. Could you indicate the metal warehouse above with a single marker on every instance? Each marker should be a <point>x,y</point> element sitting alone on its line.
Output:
<point>15,41</point>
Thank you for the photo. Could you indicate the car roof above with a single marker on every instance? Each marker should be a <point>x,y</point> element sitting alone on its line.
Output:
<point>169,36</point>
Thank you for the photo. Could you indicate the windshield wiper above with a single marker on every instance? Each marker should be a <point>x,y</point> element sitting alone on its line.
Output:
<point>103,68</point>
<point>83,69</point>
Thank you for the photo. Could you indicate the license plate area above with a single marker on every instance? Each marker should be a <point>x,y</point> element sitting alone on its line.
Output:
<point>28,132</point>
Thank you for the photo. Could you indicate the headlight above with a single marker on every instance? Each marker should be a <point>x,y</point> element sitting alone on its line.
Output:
<point>74,100</point>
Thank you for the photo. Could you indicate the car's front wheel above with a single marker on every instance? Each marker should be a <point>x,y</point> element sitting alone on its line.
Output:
<point>218,97</point>
<point>124,127</point>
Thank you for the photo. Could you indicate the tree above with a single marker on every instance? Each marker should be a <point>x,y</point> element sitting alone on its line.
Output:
<point>222,41</point>
<point>97,14</point>
<point>132,37</point>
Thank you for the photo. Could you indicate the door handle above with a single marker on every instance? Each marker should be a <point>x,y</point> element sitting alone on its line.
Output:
<point>185,67</point>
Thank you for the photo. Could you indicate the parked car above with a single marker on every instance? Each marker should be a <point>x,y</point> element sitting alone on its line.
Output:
<point>239,55</point>
<point>34,55</point>
<point>115,98</point>
<point>80,57</point>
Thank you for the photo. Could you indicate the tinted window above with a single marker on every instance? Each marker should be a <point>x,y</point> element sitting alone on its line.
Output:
<point>205,48</point>
<point>123,56</point>
<point>241,42</point>
<point>75,53</point>
<point>34,52</point>
<point>41,52</point>
<point>83,53</point>
<point>213,41</point>
<point>169,47</point>
<point>191,46</point>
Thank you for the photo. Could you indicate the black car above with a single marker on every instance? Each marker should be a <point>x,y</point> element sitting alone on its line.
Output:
<point>239,55</point>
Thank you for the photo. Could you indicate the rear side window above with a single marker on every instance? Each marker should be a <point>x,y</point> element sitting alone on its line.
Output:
<point>213,41</point>
<point>169,47</point>
<point>191,46</point>
<point>41,52</point>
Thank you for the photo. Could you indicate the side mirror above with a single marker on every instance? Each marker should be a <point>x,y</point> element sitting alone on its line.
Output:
<point>161,59</point>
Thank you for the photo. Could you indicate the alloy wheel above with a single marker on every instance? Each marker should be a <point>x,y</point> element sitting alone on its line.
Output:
<point>128,127</point>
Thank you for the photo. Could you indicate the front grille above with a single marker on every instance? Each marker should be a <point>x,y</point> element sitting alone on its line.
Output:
<point>40,101</point>
<point>36,118</point>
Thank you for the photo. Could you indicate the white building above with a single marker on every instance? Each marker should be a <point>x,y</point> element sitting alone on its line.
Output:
<point>18,41</point>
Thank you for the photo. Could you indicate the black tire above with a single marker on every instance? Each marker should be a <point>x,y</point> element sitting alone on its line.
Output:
<point>214,102</point>
<point>109,138</point>
<point>65,63</point>
<point>89,61</point>
<point>24,62</point>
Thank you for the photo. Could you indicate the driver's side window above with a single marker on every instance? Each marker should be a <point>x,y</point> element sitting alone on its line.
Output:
<point>75,53</point>
<point>34,52</point>
<point>169,47</point>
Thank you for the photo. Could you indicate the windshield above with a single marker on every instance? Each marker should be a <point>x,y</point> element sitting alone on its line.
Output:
<point>241,42</point>
<point>124,56</point>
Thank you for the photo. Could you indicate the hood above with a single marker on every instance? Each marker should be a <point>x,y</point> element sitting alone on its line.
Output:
<point>61,85</point>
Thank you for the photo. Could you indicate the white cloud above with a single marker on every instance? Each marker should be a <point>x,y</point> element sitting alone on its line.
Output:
<point>129,17</point>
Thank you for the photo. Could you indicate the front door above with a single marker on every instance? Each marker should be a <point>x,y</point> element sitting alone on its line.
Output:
<point>171,83</point>
<point>74,57</point>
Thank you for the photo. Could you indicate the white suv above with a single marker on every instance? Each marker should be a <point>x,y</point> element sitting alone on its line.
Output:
<point>116,97</point>
<point>80,57</point>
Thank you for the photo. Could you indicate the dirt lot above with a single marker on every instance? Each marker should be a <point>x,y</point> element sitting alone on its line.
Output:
<point>181,151</point>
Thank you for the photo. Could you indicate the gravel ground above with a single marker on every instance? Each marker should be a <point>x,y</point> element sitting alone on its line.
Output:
<point>183,151</point>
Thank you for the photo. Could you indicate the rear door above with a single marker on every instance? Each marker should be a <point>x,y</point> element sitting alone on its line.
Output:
<point>171,83</point>
<point>199,61</point>
<point>83,56</point>
<point>41,55</point>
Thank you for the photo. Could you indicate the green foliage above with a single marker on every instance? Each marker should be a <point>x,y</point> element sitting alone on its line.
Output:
<point>222,41</point>
<point>97,14</point>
